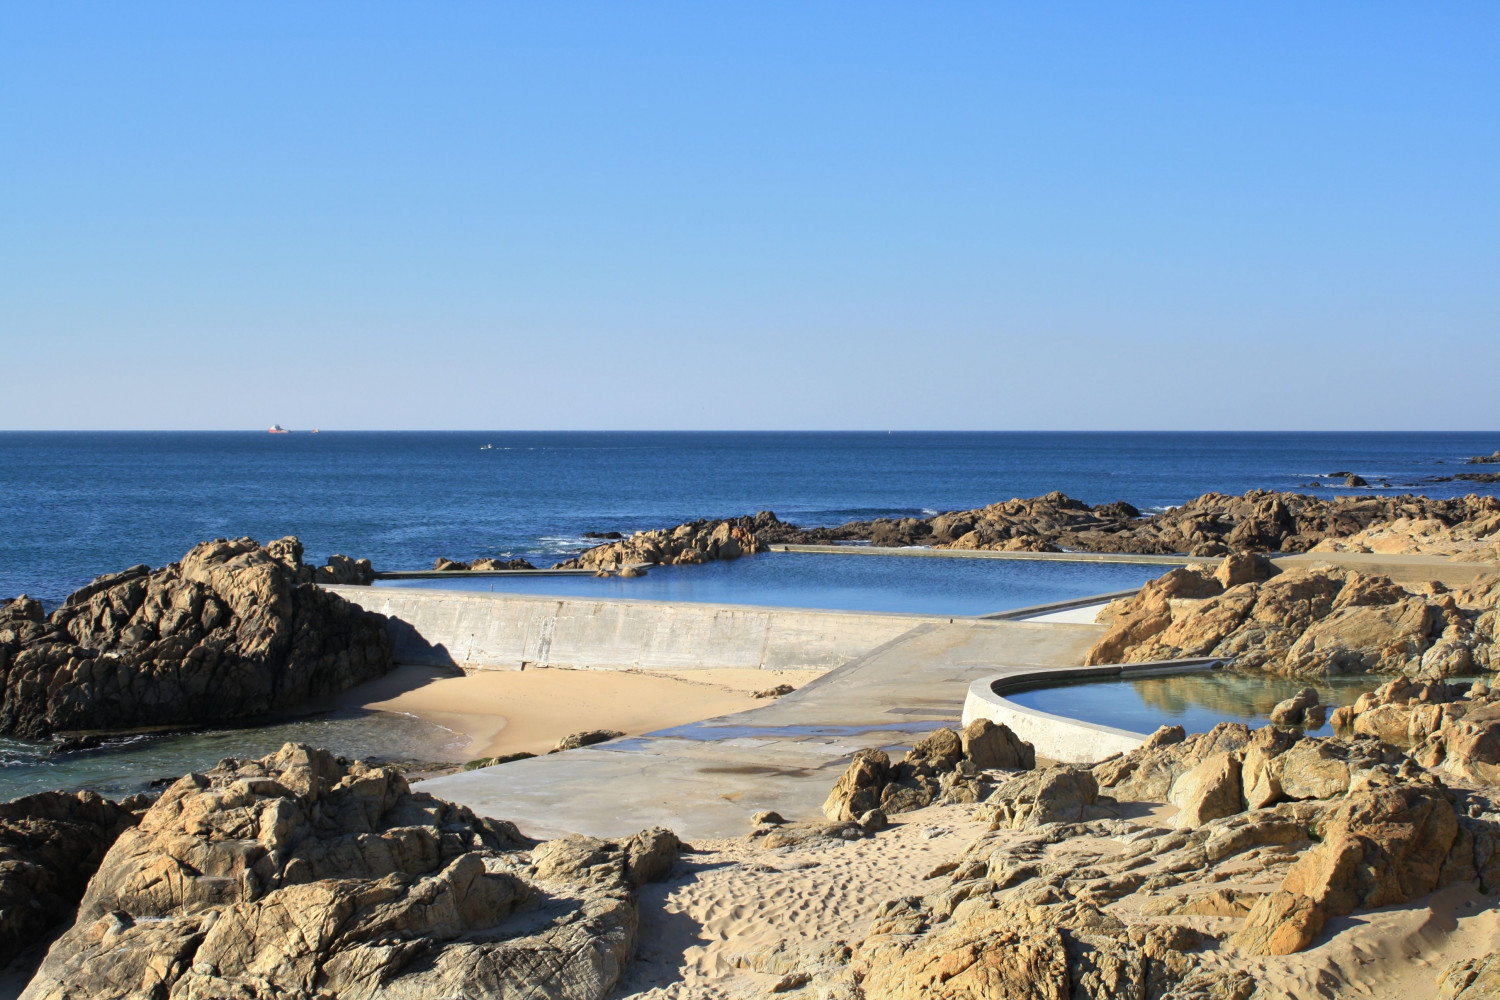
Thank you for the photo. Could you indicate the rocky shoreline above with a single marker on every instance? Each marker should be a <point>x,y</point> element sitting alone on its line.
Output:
<point>1174,872</point>
<point>1211,525</point>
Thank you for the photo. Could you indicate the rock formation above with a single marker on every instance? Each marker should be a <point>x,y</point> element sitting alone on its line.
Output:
<point>1305,622</point>
<point>51,844</point>
<point>1452,728</point>
<point>301,876</point>
<point>944,766</point>
<point>234,630</point>
<point>1211,525</point>
<point>1077,894</point>
<point>685,545</point>
<point>484,564</point>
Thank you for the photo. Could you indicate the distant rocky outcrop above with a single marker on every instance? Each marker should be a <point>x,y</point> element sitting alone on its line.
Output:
<point>1212,525</point>
<point>486,564</point>
<point>1305,622</point>
<point>234,630</point>
<point>302,876</point>
<point>1077,893</point>
<point>51,844</point>
<point>685,545</point>
<point>1490,459</point>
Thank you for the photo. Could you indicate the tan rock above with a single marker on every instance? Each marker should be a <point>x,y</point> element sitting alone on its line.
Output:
<point>1210,790</point>
<point>987,745</point>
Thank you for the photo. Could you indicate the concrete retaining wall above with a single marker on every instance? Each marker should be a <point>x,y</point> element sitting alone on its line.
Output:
<point>1058,737</point>
<point>508,631</point>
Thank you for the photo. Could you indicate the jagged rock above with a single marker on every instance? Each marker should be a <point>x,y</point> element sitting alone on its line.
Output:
<point>990,746</point>
<point>859,788</point>
<point>1056,795</point>
<point>1304,622</point>
<point>588,738</point>
<point>485,564</point>
<point>1474,978</point>
<point>1291,711</point>
<point>687,544</point>
<point>298,875</point>
<point>51,843</point>
<point>942,766</point>
<point>1210,525</point>
<point>232,631</point>
<point>1149,772</point>
<point>1209,790</point>
<point>1450,728</point>
<point>1377,848</point>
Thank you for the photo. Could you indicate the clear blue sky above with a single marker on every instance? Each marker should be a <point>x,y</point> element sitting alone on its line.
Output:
<point>760,215</point>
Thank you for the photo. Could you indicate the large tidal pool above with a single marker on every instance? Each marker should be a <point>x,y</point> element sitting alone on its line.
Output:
<point>909,585</point>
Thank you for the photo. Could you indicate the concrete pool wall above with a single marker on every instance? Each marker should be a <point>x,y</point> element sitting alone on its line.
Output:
<point>511,631</point>
<point>1058,737</point>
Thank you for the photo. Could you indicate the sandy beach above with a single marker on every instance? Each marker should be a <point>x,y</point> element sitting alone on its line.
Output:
<point>509,711</point>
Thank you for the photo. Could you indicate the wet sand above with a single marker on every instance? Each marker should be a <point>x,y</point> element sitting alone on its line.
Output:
<point>507,711</point>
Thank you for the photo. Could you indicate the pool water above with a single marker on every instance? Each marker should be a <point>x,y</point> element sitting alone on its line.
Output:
<point>907,585</point>
<point>1197,702</point>
<point>133,763</point>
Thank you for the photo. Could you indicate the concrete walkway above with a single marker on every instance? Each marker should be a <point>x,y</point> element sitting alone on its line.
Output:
<point>707,779</point>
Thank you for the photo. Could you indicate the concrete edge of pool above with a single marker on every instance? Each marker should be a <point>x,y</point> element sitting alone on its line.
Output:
<point>1058,737</point>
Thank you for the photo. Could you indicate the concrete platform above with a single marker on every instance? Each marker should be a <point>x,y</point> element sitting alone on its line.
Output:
<point>706,779</point>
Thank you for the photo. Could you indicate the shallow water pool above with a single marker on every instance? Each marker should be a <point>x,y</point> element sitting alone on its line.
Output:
<point>1197,702</point>
<point>908,585</point>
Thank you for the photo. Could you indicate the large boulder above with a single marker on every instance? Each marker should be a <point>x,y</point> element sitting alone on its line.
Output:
<point>990,746</point>
<point>234,630</point>
<point>299,875</point>
<point>1210,790</point>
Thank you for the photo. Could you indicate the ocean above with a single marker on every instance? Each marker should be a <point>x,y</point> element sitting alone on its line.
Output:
<point>75,505</point>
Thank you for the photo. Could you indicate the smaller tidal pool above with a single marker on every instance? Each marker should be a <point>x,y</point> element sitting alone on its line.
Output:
<point>1197,701</point>
<point>132,764</point>
<point>905,585</point>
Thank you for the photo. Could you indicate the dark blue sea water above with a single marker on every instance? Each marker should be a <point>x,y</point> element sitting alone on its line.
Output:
<point>74,505</point>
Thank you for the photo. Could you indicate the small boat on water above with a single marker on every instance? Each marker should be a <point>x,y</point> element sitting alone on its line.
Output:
<point>278,429</point>
<point>486,447</point>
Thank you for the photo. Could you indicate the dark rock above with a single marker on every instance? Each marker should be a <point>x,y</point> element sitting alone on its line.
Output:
<point>234,630</point>
<point>50,846</point>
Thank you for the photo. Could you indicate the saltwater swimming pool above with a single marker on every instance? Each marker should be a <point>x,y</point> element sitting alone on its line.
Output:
<point>909,585</point>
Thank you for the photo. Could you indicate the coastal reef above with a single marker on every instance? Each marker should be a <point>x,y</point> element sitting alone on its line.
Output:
<point>301,875</point>
<point>685,545</point>
<point>1305,622</point>
<point>234,630</point>
<point>1194,868</point>
<point>1211,525</point>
